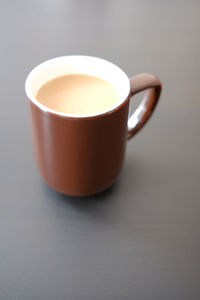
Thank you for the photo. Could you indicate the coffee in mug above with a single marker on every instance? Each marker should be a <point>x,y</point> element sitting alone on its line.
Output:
<point>78,94</point>
<point>79,107</point>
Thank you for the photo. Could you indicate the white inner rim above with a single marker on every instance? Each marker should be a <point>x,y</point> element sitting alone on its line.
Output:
<point>76,64</point>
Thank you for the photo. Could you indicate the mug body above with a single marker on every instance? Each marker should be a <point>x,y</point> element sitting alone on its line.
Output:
<point>79,155</point>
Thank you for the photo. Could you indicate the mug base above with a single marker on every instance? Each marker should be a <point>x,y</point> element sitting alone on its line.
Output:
<point>85,194</point>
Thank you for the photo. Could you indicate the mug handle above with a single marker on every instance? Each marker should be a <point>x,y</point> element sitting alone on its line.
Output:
<point>141,115</point>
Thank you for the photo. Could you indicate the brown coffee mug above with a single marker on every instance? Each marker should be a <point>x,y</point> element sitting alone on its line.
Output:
<point>82,155</point>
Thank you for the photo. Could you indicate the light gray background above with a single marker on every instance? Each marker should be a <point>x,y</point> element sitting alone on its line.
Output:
<point>140,239</point>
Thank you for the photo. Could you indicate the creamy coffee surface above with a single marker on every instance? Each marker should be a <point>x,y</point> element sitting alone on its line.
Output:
<point>78,94</point>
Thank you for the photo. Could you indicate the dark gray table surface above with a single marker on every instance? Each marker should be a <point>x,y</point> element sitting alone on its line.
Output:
<point>141,238</point>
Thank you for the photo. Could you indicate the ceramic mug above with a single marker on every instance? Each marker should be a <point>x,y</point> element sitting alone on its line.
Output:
<point>82,155</point>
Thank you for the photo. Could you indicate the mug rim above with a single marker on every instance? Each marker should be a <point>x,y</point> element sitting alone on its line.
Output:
<point>46,109</point>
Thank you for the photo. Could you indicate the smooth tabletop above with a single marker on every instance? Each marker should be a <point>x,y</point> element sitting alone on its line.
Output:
<point>141,238</point>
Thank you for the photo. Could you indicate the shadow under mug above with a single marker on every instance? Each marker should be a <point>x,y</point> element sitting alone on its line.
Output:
<point>82,155</point>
